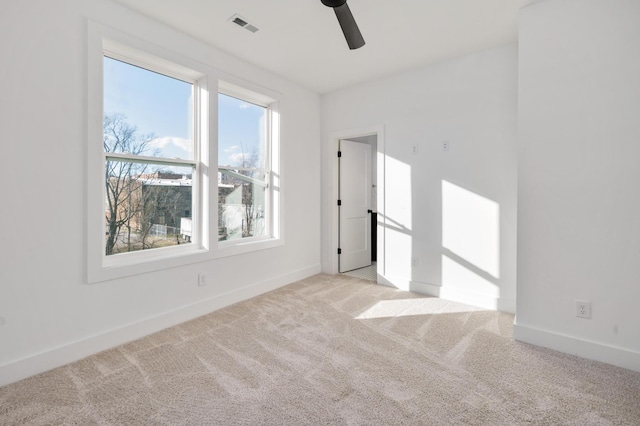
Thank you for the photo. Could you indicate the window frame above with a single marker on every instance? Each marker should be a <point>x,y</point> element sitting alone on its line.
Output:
<point>104,41</point>
<point>269,100</point>
<point>135,50</point>
<point>198,83</point>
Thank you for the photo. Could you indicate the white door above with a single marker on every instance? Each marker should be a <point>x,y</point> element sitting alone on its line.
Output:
<point>355,205</point>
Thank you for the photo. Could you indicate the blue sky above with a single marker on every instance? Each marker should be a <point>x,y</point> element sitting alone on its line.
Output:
<point>161,105</point>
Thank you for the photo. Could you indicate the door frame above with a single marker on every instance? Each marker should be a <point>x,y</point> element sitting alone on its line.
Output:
<point>348,181</point>
<point>333,145</point>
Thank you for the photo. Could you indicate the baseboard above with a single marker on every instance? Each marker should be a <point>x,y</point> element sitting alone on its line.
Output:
<point>456,295</point>
<point>425,288</point>
<point>400,284</point>
<point>575,346</point>
<point>74,351</point>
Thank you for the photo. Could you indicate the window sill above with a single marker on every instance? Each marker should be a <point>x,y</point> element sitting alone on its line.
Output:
<point>235,247</point>
<point>122,266</point>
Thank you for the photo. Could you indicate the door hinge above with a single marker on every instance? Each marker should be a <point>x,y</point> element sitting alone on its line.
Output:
<point>339,202</point>
<point>339,154</point>
<point>339,251</point>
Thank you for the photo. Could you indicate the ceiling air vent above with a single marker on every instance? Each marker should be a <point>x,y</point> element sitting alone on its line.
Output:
<point>236,19</point>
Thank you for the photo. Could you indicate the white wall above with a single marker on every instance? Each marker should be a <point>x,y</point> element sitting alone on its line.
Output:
<point>48,314</point>
<point>579,177</point>
<point>471,103</point>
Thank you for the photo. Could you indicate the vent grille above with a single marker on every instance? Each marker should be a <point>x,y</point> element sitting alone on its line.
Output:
<point>238,20</point>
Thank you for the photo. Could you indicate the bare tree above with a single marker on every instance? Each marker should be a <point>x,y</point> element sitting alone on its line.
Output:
<point>246,197</point>
<point>248,160</point>
<point>122,177</point>
<point>163,205</point>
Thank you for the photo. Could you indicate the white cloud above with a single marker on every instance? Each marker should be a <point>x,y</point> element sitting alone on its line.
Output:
<point>185,144</point>
<point>232,149</point>
<point>239,157</point>
<point>159,142</point>
<point>170,145</point>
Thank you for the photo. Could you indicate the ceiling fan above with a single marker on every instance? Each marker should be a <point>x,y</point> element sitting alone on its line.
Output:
<point>347,23</point>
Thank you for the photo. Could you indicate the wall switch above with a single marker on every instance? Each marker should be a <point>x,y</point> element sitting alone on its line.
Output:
<point>202,279</point>
<point>583,309</point>
<point>445,146</point>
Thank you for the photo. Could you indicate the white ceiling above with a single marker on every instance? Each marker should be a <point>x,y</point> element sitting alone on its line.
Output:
<point>302,41</point>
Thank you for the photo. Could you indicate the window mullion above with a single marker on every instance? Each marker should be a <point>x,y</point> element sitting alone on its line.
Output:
<point>116,156</point>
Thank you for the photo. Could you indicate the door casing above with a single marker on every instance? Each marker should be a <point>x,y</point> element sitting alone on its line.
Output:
<point>331,266</point>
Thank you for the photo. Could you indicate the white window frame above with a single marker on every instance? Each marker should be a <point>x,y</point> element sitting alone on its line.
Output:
<point>259,96</point>
<point>104,41</point>
<point>209,81</point>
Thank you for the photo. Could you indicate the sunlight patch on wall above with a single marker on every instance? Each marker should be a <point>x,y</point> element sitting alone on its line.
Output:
<point>399,257</point>
<point>398,195</point>
<point>458,277</point>
<point>471,228</point>
<point>398,219</point>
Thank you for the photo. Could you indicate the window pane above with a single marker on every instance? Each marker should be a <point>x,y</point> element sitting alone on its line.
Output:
<point>242,133</point>
<point>147,206</point>
<point>241,204</point>
<point>147,113</point>
<point>243,167</point>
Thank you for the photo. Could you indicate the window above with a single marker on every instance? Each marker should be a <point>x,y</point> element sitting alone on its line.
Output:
<point>148,189</point>
<point>244,160</point>
<point>150,157</point>
<point>154,198</point>
<point>249,187</point>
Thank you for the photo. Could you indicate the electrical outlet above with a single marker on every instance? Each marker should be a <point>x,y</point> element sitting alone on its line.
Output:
<point>202,279</point>
<point>445,146</point>
<point>583,309</point>
<point>415,150</point>
<point>414,262</point>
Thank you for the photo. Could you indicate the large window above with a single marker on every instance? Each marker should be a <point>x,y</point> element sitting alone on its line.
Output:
<point>156,198</point>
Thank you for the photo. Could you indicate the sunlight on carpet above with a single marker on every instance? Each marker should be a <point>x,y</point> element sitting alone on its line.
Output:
<point>409,307</point>
<point>298,356</point>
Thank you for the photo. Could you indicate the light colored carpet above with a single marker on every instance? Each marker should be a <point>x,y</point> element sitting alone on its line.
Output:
<point>330,350</point>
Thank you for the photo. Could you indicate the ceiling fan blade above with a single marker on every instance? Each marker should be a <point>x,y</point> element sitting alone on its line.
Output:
<point>349,26</point>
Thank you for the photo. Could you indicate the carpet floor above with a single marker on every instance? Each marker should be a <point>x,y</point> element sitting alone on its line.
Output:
<point>330,350</point>
<point>368,273</point>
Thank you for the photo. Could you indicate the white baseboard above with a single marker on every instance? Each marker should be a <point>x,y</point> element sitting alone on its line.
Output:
<point>462,296</point>
<point>74,351</point>
<point>456,295</point>
<point>400,284</point>
<point>575,346</point>
<point>425,288</point>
